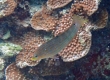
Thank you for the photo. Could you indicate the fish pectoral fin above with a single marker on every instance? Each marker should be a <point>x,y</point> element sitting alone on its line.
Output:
<point>51,56</point>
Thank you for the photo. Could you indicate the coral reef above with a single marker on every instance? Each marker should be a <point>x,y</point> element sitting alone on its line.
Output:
<point>29,22</point>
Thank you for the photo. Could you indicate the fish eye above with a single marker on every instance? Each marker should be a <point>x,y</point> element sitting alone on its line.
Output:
<point>36,56</point>
<point>75,24</point>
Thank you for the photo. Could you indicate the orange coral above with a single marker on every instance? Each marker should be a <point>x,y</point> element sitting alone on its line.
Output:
<point>29,42</point>
<point>43,20</point>
<point>7,7</point>
<point>64,23</point>
<point>78,47</point>
<point>85,7</point>
<point>14,73</point>
<point>57,3</point>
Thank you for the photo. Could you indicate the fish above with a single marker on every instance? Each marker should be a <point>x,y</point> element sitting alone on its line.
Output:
<point>55,45</point>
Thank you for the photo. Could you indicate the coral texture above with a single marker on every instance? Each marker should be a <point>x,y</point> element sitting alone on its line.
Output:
<point>57,3</point>
<point>43,20</point>
<point>78,47</point>
<point>101,20</point>
<point>64,23</point>
<point>49,67</point>
<point>14,73</point>
<point>87,7</point>
<point>29,42</point>
<point>7,7</point>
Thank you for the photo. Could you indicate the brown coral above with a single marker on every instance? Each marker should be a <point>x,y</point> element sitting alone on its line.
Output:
<point>63,24</point>
<point>29,42</point>
<point>101,19</point>
<point>53,66</point>
<point>7,7</point>
<point>78,47</point>
<point>14,73</point>
<point>57,3</point>
<point>43,20</point>
<point>85,7</point>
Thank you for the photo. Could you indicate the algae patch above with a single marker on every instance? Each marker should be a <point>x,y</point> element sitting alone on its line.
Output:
<point>9,49</point>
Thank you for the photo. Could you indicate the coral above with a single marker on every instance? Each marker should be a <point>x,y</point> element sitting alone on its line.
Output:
<point>9,49</point>
<point>64,23</point>
<point>57,3</point>
<point>29,42</point>
<point>43,20</point>
<point>78,47</point>
<point>14,73</point>
<point>102,19</point>
<point>2,65</point>
<point>96,64</point>
<point>7,7</point>
<point>49,67</point>
<point>85,7</point>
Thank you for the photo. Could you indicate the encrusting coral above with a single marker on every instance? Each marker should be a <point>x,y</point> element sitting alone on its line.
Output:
<point>7,7</point>
<point>42,20</point>
<point>14,73</point>
<point>83,7</point>
<point>64,23</point>
<point>53,4</point>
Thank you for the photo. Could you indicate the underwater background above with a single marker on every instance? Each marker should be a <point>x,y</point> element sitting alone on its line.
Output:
<point>33,33</point>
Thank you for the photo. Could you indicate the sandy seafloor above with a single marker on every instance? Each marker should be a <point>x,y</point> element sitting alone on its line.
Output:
<point>94,66</point>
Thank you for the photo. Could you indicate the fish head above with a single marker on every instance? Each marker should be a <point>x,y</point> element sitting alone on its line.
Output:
<point>35,58</point>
